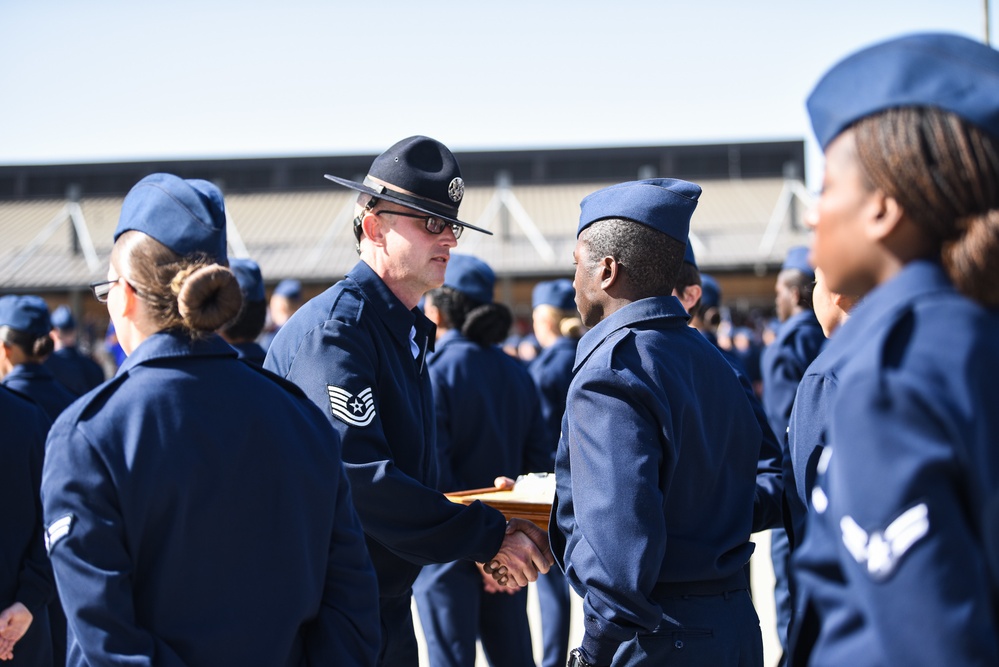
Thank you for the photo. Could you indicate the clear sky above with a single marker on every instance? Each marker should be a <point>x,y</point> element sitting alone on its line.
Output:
<point>101,81</point>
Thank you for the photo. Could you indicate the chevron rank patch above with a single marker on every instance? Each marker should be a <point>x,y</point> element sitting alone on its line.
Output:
<point>57,530</point>
<point>881,551</point>
<point>353,410</point>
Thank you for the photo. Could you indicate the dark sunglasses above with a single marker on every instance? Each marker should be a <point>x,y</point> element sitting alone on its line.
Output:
<point>433,224</point>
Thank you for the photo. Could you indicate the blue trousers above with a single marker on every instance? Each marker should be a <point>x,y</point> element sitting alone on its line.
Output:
<point>399,647</point>
<point>455,611</point>
<point>717,630</point>
<point>554,600</point>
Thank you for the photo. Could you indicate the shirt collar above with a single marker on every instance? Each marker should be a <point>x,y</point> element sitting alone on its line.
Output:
<point>397,318</point>
<point>664,308</point>
<point>174,343</point>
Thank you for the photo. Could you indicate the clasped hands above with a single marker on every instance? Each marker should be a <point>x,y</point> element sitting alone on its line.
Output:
<point>523,555</point>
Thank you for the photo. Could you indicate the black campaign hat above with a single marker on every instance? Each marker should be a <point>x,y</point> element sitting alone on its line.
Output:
<point>419,173</point>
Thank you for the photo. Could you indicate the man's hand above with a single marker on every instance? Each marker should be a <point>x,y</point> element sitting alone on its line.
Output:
<point>490,585</point>
<point>523,555</point>
<point>14,622</point>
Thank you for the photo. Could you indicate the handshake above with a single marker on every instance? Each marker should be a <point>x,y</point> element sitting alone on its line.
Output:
<point>524,554</point>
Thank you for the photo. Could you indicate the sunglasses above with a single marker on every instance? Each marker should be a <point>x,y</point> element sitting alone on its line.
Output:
<point>433,224</point>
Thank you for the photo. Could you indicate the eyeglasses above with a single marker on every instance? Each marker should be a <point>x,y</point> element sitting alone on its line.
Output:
<point>102,288</point>
<point>433,224</point>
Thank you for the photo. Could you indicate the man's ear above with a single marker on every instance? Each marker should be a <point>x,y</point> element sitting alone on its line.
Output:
<point>373,228</point>
<point>691,296</point>
<point>610,273</point>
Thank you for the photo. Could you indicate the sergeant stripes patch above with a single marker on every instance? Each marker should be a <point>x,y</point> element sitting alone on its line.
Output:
<point>353,410</point>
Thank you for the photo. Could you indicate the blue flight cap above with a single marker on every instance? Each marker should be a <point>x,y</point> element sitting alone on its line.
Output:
<point>556,293</point>
<point>949,72</point>
<point>289,289</point>
<point>186,216</point>
<point>688,255</point>
<point>710,292</point>
<point>797,258</point>
<point>251,283</point>
<point>27,314</point>
<point>664,204</point>
<point>470,276</point>
<point>62,318</point>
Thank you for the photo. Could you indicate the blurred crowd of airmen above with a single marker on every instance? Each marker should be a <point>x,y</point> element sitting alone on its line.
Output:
<point>261,484</point>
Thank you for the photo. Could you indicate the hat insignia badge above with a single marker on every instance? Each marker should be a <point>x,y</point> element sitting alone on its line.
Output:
<point>456,189</point>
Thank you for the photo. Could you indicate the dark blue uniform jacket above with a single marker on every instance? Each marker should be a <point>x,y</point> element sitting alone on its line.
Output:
<point>35,382</point>
<point>655,470</point>
<point>899,561</point>
<point>488,416</point>
<point>783,364</point>
<point>74,370</point>
<point>551,371</point>
<point>349,350</point>
<point>25,573</point>
<point>197,513</point>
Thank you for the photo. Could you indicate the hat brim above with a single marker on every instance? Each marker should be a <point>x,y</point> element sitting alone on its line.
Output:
<point>388,195</point>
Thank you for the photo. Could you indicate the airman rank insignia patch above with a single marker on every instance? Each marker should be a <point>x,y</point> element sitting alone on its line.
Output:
<point>881,551</point>
<point>352,410</point>
<point>57,530</point>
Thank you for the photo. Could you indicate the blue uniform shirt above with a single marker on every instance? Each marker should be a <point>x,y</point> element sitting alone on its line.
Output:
<point>25,573</point>
<point>807,434</point>
<point>551,371</point>
<point>783,364</point>
<point>655,470</point>
<point>198,514</point>
<point>895,566</point>
<point>250,352</point>
<point>350,350</point>
<point>74,370</point>
<point>36,382</point>
<point>488,416</point>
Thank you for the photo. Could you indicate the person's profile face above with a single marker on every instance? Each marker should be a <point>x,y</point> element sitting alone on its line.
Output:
<point>413,253</point>
<point>587,282</point>
<point>785,298</point>
<point>840,247</point>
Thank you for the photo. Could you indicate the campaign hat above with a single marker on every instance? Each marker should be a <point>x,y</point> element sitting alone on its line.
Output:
<point>419,173</point>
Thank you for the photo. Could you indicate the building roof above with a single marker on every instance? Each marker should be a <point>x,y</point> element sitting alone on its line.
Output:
<point>739,225</point>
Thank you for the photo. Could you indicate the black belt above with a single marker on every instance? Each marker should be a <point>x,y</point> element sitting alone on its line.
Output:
<point>734,582</point>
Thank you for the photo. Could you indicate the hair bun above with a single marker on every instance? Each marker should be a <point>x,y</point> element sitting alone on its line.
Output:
<point>209,297</point>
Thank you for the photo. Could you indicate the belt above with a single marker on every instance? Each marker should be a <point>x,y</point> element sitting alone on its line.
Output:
<point>734,582</point>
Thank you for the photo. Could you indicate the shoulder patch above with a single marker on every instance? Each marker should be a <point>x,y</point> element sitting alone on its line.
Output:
<point>881,551</point>
<point>57,530</point>
<point>352,410</point>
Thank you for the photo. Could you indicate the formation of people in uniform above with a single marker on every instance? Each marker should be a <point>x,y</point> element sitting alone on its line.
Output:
<point>221,501</point>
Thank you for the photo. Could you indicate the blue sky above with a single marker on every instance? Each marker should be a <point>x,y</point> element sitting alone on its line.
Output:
<point>106,81</point>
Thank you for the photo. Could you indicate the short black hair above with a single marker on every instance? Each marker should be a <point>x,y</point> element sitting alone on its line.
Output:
<point>650,258</point>
<point>802,282</point>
